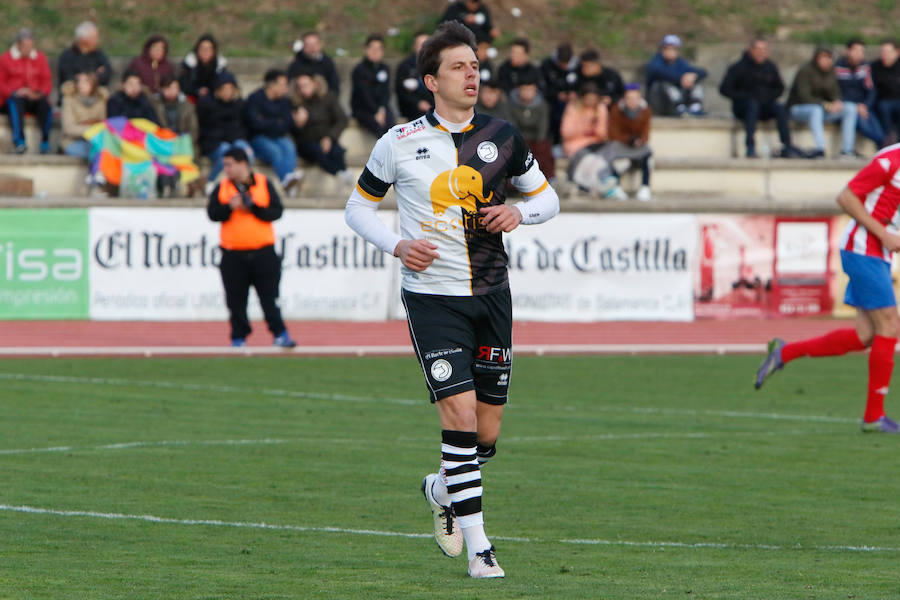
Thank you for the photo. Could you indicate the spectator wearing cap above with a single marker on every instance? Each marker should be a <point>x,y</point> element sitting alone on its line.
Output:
<point>673,84</point>
<point>221,124</point>
<point>474,15</point>
<point>371,96</point>
<point>84,56</point>
<point>855,79</point>
<point>492,101</point>
<point>153,63</point>
<point>518,67</point>
<point>886,77</point>
<point>607,81</point>
<point>25,88</point>
<point>753,84</point>
<point>309,57</point>
<point>531,115</point>
<point>201,67</point>
<point>558,74</point>
<point>629,127</point>
<point>269,117</point>
<point>413,98</point>
<point>815,98</point>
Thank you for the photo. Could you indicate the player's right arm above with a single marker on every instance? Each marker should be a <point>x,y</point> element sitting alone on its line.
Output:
<point>362,206</point>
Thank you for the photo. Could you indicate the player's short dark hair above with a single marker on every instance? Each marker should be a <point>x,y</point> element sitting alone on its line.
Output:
<point>374,37</point>
<point>854,41</point>
<point>449,35</point>
<point>272,75</point>
<point>589,55</point>
<point>524,43</point>
<point>238,154</point>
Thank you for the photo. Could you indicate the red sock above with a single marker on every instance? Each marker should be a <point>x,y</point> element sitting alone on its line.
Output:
<point>833,343</point>
<point>881,364</point>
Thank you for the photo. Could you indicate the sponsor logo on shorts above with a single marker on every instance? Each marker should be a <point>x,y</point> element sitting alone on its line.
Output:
<point>493,354</point>
<point>503,379</point>
<point>441,370</point>
<point>443,352</point>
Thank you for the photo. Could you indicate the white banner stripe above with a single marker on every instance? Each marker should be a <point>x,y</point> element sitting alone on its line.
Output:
<point>525,540</point>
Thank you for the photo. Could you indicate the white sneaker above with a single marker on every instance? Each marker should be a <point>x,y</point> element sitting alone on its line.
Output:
<point>618,194</point>
<point>644,194</point>
<point>291,180</point>
<point>447,532</point>
<point>484,565</point>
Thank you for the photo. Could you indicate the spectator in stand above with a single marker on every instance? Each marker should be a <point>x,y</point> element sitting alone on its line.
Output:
<point>413,98</point>
<point>175,112</point>
<point>153,63</point>
<point>673,84</point>
<point>201,67</point>
<point>474,15</point>
<point>309,58</point>
<point>855,79</point>
<point>131,101</point>
<point>518,66</point>
<point>270,117</point>
<point>319,121</point>
<point>371,97</point>
<point>815,98</point>
<point>220,116</point>
<point>84,56</point>
<point>492,102</point>
<point>607,81</point>
<point>886,77</point>
<point>629,130</point>
<point>753,84</point>
<point>484,52</point>
<point>531,115</point>
<point>83,105</point>
<point>25,88</point>
<point>558,73</point>
<point>585,131</point>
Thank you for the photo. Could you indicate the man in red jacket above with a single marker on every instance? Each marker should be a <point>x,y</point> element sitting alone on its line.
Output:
<point>25,87</point>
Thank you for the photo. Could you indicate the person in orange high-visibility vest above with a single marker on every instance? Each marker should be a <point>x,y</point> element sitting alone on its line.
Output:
<point>246,203</point>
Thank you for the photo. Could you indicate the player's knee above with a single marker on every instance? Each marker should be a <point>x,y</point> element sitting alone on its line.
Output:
<point>485,452</point>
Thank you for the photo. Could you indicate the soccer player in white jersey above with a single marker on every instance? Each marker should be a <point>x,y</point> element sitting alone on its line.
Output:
<point>871,199</point>
<point>449,169</point>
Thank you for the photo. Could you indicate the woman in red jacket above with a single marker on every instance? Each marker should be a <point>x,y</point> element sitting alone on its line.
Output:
<point>25,87</point>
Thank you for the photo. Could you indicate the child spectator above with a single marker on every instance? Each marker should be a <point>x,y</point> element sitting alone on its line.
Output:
<point>131,102</point>
<point>673,84</point>
<point>25,87</point>
<point>492,102</point>
<point>270,117</point>
<point>855,79</point>
<point>153,63</point>
<point>371,97</point>
<point>518,66</point>
<point>531,115</point>
<point>886,77</point>
<point>175,112</point>
<point>413,98</point>
<point>629,130</point>
<point>84,56</point>
<point>220,116</point>
<point>83,105</point>
<point>607,81</point>
<point>201,67</point>
<point>309,58</point>
<point>815,98</point>
<point>558,73</point>
<point>319,121</point>
<point>474,15</point>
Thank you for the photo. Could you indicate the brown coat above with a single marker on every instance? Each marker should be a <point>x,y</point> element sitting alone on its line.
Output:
<point>625,130</point>
<point>77,117</point>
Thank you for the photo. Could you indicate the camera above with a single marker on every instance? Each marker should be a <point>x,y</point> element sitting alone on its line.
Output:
<point>244,191</point>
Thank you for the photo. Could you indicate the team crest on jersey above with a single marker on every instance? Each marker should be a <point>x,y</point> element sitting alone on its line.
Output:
<point>487,151</point>
<point>462,186</point>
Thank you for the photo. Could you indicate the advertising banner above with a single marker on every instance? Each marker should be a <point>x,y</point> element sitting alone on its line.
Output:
<point>162,264</point>
<point>44,264</point>
<point>590,267</point>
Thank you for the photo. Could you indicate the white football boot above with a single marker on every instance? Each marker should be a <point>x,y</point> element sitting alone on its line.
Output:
<point>484,565</point>
<point>447,532</point>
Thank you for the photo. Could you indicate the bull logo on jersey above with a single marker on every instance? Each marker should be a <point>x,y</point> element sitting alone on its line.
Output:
<point>462,186</point>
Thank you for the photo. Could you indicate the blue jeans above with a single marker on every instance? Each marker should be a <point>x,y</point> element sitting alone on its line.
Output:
<point>79,148</point>
<point>889,115</point>
<point>815,115</point>
<point>218,154</point>
<point>16,108</point>
<point>279,152</point>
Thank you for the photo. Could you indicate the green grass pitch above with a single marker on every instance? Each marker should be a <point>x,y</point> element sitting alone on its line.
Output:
<point>616,477</point>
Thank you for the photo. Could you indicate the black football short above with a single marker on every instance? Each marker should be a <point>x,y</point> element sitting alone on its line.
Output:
<point>463,343</point>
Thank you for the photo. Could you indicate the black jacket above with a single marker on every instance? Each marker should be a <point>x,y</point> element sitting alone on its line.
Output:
<point>748,80</point>
<point>72,61</point>
<point>121,105</point>
<point>408,97</point>
<point>609,82</point>
<point>271,118</point>
<point>371,87</point>
<point>222,212</point>
<point>510,77</point>
<point>323,65</point>
<point>458,12</point>
<point>556,79</point>
<point>887,80</point>
<point>219,121</point>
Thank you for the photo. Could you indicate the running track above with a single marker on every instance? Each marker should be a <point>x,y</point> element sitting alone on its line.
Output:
<point>65,338</point>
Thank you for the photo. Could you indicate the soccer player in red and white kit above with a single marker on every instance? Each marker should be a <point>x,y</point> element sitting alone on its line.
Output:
<point>871,199</point>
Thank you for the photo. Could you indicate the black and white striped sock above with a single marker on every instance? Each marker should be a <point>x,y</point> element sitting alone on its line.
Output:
<point>463,475</point>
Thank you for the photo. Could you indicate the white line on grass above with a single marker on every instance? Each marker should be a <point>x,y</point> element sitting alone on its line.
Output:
<point>312,529</point>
